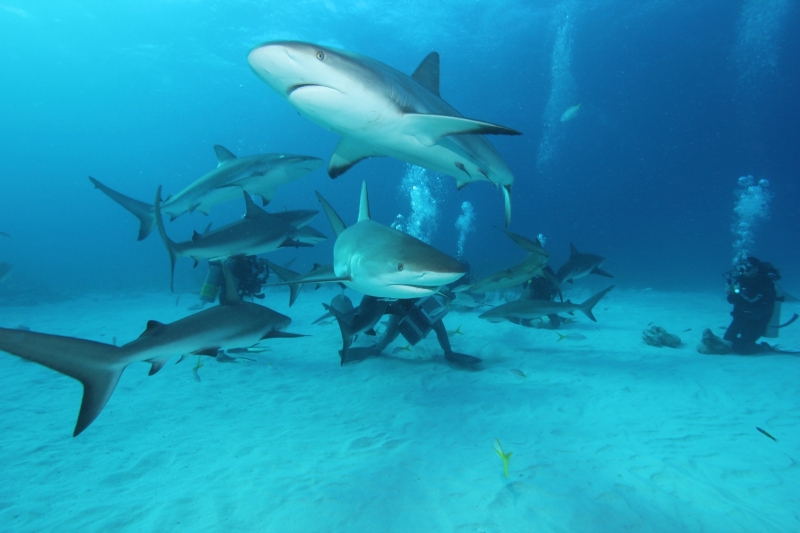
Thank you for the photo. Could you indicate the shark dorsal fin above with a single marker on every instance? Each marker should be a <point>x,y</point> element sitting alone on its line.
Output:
<point>230,296</point>
<point>152,327</point>
<point>251,209</point>
<point>316,265</point>
<point>335,220</point>
<point>573,251</point>
<point>223,154</point>
<point>427,73</point>
<point>196,236</point>
<point>363,208</point>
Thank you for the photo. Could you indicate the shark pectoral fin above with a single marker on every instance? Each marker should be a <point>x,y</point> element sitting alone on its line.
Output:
<point>429,129</point>
<point>507,203</point>
<point>275,334</point>
<point>601,272</point>
<point>335,220</point>
<point>223,154</point>
<point>157,364</point>
<point>347,153</point>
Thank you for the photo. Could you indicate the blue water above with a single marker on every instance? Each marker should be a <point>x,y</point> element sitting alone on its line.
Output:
<point>679,99</point>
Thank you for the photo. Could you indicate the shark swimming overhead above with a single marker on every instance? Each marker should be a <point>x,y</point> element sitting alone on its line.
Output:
<point>257,233</point>
<point>259,174</point>
<point>380,111</point>
<point>98,366</point>
<point>380,261</point>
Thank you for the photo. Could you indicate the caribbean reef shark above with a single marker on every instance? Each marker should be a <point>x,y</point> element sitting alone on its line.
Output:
<point>259,174</point>
<point>380,111</point>
<point>515,274</point>
<point>98,366</point>
<point>257,233</point>
<point>380,261</point>
<point>523,310</point>
<point>581,265</point>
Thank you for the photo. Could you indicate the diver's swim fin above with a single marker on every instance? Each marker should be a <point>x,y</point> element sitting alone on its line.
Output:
<point>774,349</point>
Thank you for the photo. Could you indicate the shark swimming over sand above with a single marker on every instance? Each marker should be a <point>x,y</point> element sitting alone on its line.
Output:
<point>98,366</point>
<point>523,310</point>
<point>259,174</point>
<point>580,265</point>
<point>380,261</point>
<point>515,274</point>
<point>257,233</point>
<point>380,111</point>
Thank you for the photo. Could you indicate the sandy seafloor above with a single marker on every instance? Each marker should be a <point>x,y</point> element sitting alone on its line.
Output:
<point>607,433</point>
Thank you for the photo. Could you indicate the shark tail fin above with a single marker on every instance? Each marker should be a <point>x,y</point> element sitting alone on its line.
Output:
<point>288,276</point>
<point>170,245</point>
<point>586,307</point>
<point>141,210</point>
<point>344,327</point>
<point>91,363</point>
<point>335,220</point>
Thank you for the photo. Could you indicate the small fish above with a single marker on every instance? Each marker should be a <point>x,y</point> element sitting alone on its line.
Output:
<point>722,327</point>
<point>252,349</point>
<point>325,322</point>
<point>506,457</point>
<point>197,367</point>
<point>570,337</point>
<point>650,323</point>
<point>687,329</point>
<point>456,331</point>
<point>407,348</point>
<point>517,372</point>
<point>767,434</point>
<point>177,300</point>
<point>4,234</point>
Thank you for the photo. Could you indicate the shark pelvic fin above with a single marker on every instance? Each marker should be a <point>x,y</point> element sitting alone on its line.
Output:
<point>429,129</point>
<point>427,73</point>
<point>157,364</point>
<point>223,154</point>
<point>337,225</point>
<point>347,153</point>
<point>363,208</point>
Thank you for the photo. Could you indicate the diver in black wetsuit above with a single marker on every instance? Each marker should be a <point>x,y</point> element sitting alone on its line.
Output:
<point>413,318</point>
<point>751,290</point>
<point>250,273</point>
<point>542,287</point>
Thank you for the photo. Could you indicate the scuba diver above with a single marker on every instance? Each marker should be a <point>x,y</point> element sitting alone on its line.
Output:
<point>543,287</point>
<point>751,290</point>
<point>249,271</point>
<point>413,318</point>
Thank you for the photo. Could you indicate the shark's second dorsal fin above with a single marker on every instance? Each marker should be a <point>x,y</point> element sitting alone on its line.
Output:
<point>427,73</point>
<point>153,326</point>
<point>335,220</point>
<point>573,251</point>
<point>230,296</point>
<point>363,208</point>
<point>223,154</point>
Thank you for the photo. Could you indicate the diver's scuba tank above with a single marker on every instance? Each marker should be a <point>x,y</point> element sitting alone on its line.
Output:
<point>214,281</point>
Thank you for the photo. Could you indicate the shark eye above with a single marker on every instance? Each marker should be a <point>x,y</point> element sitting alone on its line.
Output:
<point>399,267</point>
<point>321,55</point>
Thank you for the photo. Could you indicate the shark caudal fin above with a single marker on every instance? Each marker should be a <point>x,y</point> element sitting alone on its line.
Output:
<point>170,245</point>
<point>91,363</point>
<point>586,307</point>
<point>348,335</point>
<point>141,210</point>
<point>287,276</point>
